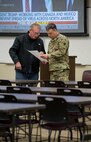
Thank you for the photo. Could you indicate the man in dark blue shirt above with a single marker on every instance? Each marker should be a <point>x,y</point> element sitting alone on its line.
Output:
<point>27,65</point>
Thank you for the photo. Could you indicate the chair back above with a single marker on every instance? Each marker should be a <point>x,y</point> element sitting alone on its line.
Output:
<point>7,98</point>
<point>49,83</point>
<point>84,84</point>
<point>19,89</point>
<point>86,76</point>
<point>69,92</point>
<point>55,111</point>
<point>86,138</point>
<point>5,82</point>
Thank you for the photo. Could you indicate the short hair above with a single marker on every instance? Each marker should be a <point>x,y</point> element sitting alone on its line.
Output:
<point>51,26</point>
<point>35,25</point>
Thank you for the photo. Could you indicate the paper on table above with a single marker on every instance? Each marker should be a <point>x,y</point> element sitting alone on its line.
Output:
<point>37,55</point>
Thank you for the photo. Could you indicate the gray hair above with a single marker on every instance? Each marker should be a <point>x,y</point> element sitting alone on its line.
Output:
<point>35,25</point>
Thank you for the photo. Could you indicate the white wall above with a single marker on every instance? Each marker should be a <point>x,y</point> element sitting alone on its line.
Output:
<point>79,46</point>
<point>5,44</point>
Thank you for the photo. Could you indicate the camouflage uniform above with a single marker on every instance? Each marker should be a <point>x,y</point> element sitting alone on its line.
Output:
<point>58,58</point>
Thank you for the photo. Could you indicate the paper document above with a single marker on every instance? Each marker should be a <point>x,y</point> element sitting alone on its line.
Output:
<point>37,55</point>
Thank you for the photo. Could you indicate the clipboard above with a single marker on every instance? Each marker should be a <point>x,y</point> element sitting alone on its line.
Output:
<point>37,55</point>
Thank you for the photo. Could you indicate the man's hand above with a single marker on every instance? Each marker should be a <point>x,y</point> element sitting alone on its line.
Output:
<point>18,66</point>
<point>41,53</point>
<point>45,56</point>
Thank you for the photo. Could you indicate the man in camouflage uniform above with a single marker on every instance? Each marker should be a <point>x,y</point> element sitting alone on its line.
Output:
<point>57,54</point>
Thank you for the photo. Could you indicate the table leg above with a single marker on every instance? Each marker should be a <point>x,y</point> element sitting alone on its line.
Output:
<point>30,128</point>
<point>85,137</point>
<point>13,128</point>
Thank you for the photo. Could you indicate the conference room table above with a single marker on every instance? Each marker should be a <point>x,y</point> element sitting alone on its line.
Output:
<point>20,109</point>
<point>15,108</point>
<point>71,83</point>
<point>50,90</point>
<point>23,98</point>
<point>25,82</point>
<point>29,82</point>
<point>29,98</point>
<point>74,100</point>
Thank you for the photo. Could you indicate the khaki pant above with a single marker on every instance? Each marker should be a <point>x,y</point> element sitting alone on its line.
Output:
<point>60,75</point>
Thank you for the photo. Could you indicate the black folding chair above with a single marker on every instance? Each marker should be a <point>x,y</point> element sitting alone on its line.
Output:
<point>55,116</point>
<point>84,84</point>
<point>5,120</point>
<point>19,89</point>
<point>5,82</point>
<point>50,83</point>
<point>86,76</point>
<point>75,110</point>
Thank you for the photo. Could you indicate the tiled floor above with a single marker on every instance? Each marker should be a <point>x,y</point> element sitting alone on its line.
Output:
<point>45,134</point>
<point>63,134</point>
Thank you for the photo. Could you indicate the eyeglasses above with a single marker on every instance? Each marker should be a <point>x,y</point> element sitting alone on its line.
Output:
<point>36,33</point>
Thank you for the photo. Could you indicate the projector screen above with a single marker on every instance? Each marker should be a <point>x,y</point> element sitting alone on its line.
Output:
<point>16,16</point>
